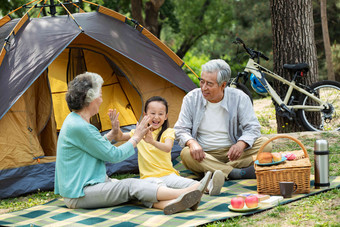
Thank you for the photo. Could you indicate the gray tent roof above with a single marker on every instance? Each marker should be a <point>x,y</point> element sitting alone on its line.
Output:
<point>41,40</point>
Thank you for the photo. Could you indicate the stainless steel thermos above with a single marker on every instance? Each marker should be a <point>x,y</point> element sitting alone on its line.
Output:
<point>321,164</point>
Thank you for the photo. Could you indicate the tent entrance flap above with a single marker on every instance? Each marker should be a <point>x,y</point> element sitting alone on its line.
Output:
<point>28,134</point>
<point>116,91</point>
<point>77,65</point>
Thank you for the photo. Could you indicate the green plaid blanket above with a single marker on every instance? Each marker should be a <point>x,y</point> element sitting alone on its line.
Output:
<point>212,208</point>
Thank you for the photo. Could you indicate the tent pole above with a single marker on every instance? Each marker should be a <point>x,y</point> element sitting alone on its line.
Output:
<point>52,8</point>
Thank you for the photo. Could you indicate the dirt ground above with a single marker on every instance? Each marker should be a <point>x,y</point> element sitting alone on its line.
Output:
<point>262,104</point>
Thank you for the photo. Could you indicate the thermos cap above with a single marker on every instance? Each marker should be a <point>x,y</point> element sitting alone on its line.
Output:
<point>321,145</point>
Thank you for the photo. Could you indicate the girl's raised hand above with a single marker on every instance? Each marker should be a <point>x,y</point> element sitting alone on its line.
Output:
<point>148,137</point>
<point>113,115</point>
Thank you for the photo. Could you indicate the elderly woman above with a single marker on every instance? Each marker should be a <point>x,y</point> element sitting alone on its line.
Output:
<point>80,175</point>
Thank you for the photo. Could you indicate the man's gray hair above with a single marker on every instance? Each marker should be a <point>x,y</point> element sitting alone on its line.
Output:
<point>221,67</point>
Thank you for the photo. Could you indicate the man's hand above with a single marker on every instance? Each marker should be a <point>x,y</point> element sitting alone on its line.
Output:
<point>196,150</point>
<point>236,150</point>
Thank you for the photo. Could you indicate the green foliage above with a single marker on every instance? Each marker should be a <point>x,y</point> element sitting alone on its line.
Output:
<point>198,21</point>
<point>7,6</point>
<point>167,16</point>
<point>247,20</point>
<point>195,63</point>
<point>121,6</point>
<point>252,23</point>
<point>194,79</point>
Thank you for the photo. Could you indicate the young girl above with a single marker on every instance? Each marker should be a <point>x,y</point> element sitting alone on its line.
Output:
<point>154,151</point>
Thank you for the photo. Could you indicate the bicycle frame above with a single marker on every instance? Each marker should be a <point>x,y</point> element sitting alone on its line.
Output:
<point>256,69</point>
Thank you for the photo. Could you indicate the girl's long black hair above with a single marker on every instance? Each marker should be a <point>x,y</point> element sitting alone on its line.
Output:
<point>166,122</point>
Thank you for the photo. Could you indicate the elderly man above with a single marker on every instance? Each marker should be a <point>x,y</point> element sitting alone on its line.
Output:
<point>217,126</point>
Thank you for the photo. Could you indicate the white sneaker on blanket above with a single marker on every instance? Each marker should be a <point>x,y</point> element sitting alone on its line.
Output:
<point>204,182</point>
<point>216,183</point>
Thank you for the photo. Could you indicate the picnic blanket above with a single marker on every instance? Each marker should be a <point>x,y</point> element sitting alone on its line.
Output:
<point>212,208</point>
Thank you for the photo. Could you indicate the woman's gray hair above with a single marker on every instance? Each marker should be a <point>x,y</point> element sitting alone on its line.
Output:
<point>221,67</point>
<point>83,89</point>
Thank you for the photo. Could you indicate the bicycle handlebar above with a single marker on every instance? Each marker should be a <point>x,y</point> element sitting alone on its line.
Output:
<point>252,53</point>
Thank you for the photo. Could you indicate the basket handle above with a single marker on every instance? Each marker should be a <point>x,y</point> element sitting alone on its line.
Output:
<point>283,136</point>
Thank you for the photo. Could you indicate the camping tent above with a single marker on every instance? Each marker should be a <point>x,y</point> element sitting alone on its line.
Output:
<point>39,57</point>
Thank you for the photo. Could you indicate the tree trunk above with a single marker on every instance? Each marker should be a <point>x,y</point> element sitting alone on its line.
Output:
<point>293,42</point>
<point>151,14</point>
<point>326,41</point>
<point>136,11</point>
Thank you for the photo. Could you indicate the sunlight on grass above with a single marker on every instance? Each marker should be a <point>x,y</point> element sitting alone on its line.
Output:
<point>265,113</point>
<point>22,202</point>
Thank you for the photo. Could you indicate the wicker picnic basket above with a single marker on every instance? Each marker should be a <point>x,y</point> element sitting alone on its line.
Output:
<point>298,171</point>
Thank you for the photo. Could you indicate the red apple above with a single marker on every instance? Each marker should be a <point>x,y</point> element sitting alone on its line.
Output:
<point>252,201</point>
<point>237,202</point>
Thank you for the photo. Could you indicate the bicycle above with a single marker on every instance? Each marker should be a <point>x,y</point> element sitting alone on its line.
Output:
<point>317,106</point>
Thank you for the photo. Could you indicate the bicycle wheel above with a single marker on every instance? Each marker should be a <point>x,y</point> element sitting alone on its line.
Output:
<point>326,119</point>
<point>243,88</point>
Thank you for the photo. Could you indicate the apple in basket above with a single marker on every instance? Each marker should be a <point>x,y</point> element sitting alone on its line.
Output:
<point>237,202</point>
<point>252,201</point>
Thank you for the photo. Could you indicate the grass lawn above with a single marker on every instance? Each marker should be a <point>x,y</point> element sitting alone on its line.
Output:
<point>319,210</point>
